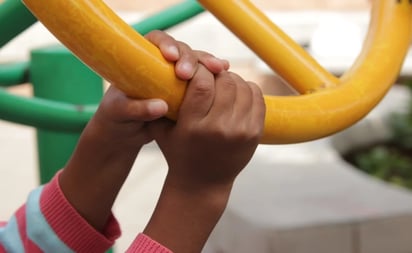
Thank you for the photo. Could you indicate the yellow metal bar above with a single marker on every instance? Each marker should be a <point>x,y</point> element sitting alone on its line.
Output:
<point>103,41</point>
<point>271,44</point>
<point>303,118</point>
<point>107,44</point>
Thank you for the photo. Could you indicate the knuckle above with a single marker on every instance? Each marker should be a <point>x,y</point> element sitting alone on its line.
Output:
<point>216,130</point>
<point>226,79</point>
<point>253,85</point>
<point>185,48</point>
<point>256,133</point>
<point>222,131</point>
<point>247,135</point>
<point>257,94</point>
<point>248,132</point>
<point>202,87</point>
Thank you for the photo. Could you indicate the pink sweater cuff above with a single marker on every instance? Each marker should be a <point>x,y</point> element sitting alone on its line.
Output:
<point>145,244</point>
<point>70,227</point>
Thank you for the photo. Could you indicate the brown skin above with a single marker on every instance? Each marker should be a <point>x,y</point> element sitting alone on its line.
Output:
<point>218,129</point>
<point>112,139</point>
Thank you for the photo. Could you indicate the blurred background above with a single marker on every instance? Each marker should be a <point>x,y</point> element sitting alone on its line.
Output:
<point>300,198</point>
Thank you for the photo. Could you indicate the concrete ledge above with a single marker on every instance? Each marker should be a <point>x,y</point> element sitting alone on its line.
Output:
<point>322,207</point>
<point>304,198</point>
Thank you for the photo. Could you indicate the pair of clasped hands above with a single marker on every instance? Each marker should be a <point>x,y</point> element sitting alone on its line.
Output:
<point>218,128</point>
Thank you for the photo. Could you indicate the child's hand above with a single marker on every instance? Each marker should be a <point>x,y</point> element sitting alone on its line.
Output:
<point>111,140</point>
<point>186,59</point>
<point>218,129</point>
<point>219,126</point>
<point>125,117</point>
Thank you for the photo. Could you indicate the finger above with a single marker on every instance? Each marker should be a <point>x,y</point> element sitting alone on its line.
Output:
<point>121,108</point>
<point>175,51</point>
<point>187,63</point>
<point>199,96</point>
<point>128,109</point>
<point>225,96</point>
<point>145,110</point>
<point>244,99</point>
<point>212,63</point>
<point>189,60</point>
<point>168,46</point>
<point>113,104</point>
<point>258,107</point>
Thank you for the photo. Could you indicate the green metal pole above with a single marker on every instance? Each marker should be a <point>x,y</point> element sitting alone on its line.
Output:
<point>44,113</point>
<point>63,116</point>
<point>169,17</point>
<point>14,73</point>
<point>14,18</point>
<point>58,75</point>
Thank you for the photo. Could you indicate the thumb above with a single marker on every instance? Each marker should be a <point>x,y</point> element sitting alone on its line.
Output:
<point>155,108</point>
<point>145,110</point>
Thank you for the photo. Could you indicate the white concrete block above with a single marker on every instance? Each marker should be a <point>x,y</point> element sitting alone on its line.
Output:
<point>336,238</point>
<point>386,235</point>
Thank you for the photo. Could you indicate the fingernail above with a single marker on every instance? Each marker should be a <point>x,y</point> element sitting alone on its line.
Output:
<point>174,51</point>
<point>186,67</point>
<point>157,107</point>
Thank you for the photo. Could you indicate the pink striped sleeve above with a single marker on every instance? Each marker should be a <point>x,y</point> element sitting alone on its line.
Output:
<point>48,223</point>
<point>28,244</point>
<point>70,227</point>
<point>2,250</point>
<point>14,234</point>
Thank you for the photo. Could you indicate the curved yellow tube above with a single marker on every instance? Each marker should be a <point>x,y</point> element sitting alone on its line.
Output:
<point>272,45</point>
<point>107,44</point>
<point>94,33</point>
<point>326,111</point>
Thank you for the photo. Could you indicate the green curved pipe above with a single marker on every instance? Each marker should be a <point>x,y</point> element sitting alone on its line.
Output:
<point>14,73</point>
<point>45,114</point>
<point>59,116</point>
<point>14,18</point>
<point>169,17</point>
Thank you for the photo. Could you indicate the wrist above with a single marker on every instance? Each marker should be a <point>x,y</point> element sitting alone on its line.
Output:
<point>95,174</point>
<point>109,137</point>
<point>210,193</point>
<point>184,218</point>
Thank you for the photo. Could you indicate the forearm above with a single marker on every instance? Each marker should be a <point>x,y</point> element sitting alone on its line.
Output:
<point>95,174</point>
<point>183,218</point>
